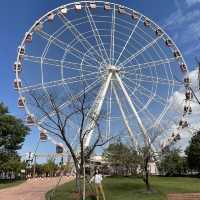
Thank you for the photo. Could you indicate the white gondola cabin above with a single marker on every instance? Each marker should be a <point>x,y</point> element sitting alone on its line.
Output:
<point>78,6</point>
<point>185,109</point>
<point>183,67</point>
<point>29,37</point>
<point>43,135</point>
<point>188,95</point>
<point>158,32</point>
<point>177,54</point>
<point>21,50</point>
<point>190,110</point>
<point>59,149</point>
<point>50,17</point>
<point>38,27</point>
<point>17,67</point>
<point>187,81</point>
<point>107,6</point>
<point>147,22</point>
<point>63,10</point>
<point>135,15</point>
<point>180,122</point>
<point>30,120</point>
<point>178,137</point>
<point>121,10</point>
<point>17,84</point>
<point>21,57</point>
<point>21,102</point>
<point>93,5</point>
<point>168,42</point>
<point>185,124</point>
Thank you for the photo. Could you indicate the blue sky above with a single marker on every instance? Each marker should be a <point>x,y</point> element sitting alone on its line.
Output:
<point>179,18</point>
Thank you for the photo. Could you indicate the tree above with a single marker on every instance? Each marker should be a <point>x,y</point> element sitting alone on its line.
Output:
<point>122,158</point>
<point>50,167</point>
<point>148,153</point>
<point>193,152</point>
<point>12,135</point>
<point>12,131</point>
<point>172,164</point>
<point>57,119</point>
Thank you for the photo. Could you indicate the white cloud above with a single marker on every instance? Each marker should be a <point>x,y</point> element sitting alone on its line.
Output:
<point>177,101</point>
<point>192,2</point>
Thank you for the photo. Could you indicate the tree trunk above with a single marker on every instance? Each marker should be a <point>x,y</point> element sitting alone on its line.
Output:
<point>78,182</point>
<point>146,175</point>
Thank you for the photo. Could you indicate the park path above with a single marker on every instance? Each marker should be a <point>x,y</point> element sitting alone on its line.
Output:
<point>184,196</point>
<point>34,189</point>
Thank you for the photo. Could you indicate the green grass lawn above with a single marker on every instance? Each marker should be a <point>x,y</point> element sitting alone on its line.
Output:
<point>7,183</point>
<point>118,188</point>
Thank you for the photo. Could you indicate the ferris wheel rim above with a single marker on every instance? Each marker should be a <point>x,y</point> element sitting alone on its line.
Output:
<point>43,18</point>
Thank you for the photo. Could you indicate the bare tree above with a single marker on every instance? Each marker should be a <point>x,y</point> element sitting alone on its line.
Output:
<point>148,154</point>
<point>55,120</point>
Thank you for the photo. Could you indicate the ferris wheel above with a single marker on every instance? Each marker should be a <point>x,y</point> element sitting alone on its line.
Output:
<point>129,67</point>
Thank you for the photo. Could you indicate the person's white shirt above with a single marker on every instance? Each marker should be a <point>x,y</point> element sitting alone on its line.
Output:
<point>97,179</point>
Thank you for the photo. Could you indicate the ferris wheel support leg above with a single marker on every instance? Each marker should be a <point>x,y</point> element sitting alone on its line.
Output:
<point>144,132</point>
<point>130,132</point>
<point>97,108</point>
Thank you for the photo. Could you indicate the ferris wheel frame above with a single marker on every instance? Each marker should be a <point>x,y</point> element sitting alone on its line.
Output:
<point>113,68</point>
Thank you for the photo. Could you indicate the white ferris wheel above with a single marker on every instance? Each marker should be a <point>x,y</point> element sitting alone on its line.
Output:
<point>129,66</point>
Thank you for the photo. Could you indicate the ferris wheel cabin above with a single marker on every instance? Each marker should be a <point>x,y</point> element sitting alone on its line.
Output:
<point>50,17</point>
<point>30,120</point>
<point>135,15</point>
<point>17,84</point>
<point>93,5</point>
<point>29,37</point>
<point>59,149</point>
<point>78,6</point>
<point>43,135</point>
<point>21,102</point>
<point>17,67</point>
<point>107,6</point>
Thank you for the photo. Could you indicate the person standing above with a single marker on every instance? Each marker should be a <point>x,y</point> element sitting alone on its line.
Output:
<point>97,179</point>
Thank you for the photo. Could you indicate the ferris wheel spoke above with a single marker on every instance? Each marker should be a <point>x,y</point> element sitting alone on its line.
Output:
<point>97,35</point>
<point>62,45</point>
<point>112,46</point>
<point>131,92</point>
<point>144,107</point>
<point>70,80</point>
<point>80,37</point>
<point>155,63</point>
<point>57,63</point>
<point>89,88</point>
<point>126,122</point>
<point>146,92</point>
<point>153,79</point>
<point>155,97</point>
<point>127,42</point>
<point>149,115</point>
<point>141,51</point>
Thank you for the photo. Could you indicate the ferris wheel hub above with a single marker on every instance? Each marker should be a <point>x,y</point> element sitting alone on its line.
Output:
<point>112,68</point>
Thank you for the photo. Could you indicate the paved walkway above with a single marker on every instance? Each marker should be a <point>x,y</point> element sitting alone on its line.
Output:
<point>34,189</point>
<point>184,196</point>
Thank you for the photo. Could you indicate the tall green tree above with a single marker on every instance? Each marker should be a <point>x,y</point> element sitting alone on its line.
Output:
<point>172,164</point>
<point>12,136</point>
<point>193,152</point>
<point>123,159</point>
<point>50,167</point>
